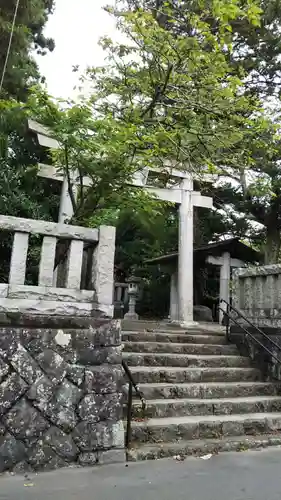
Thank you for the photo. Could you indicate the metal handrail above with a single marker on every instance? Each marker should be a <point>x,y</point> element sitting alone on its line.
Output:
<point>132,385</point>
<point>232,308</point>
<point>229,317</point>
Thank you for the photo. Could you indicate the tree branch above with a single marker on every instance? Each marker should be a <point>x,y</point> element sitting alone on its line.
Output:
<point>159,92</point>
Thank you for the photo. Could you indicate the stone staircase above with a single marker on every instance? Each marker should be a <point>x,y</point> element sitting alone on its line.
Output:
<point>202,396</point>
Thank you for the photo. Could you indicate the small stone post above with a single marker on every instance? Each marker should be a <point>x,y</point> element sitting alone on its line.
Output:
<point>133,291</point>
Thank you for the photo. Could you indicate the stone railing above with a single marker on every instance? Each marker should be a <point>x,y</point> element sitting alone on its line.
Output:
<point>257,294</point>
<point>69,298</point>
<point>120,298</point>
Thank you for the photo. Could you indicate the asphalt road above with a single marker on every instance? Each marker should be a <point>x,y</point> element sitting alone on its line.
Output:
<point>251,475</point>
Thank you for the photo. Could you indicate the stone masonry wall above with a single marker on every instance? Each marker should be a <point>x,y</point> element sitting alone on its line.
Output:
<point>257,294</point>
<point>60,394</point>
<point>247,346</point>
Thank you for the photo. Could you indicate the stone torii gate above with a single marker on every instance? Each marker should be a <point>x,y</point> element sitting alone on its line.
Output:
<point>181,193</point>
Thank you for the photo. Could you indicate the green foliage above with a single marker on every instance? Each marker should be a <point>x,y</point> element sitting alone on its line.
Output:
<point>255,38</point>
<point>176,94</point>
<point>22,193</point>
<point>255,190</point>
<point>28,35</point>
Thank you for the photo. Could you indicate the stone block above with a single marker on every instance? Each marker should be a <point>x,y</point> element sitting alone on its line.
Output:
<point>18,258</point>
<point>61,409</point>
<point>96,407</point>
<point>111,457</point>
<point>103,379</point>
<point>50,293</point>
<point>10,391</point>
<point>76,374</point>
<point>74,265</point>
<point>103,333</point>
<point>54,463</point>
<point>232,428</point>
<point>24,364</point>
<point>36,340</point>
<point>87,459</point>
<point>202,313</point>
<point>253,427</point>
<point>210,430</point>
<point>4,370</point>
<point>107,333</point>
<point>25,422</point>
<point>40,454</point>
<point>102,435</point>
<point>65,418</point>
<point>273,424</point>
<point>67,394</point>
<point>9,340</point>
<point>22,467</point>
<point>11,452</point>
<point>51,307</point>
<point>103,265</point>
<point>89,349</point>
<point>99,355</point>
<point>53,365</point>
<point>61,443</point>
<point>47,259</point>
<point>10,320</point>
<point>46,228</point>
<point>41,392</point>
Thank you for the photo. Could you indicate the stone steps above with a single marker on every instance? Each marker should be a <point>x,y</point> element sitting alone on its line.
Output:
<point>185,360</point>
<point>208,390</point>
<point>163,408</point>
<point>162,326</point>
<point>153,374</point>
<point>173,337</point>
<point>202,447</point>
<point>201,395</point>
<point>179,348</point>
<point>159,430</point>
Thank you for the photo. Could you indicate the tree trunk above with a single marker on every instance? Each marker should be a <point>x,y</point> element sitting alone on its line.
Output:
<point>272,245</point>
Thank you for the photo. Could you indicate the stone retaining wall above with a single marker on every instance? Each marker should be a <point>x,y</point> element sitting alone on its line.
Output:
<point>60,393</point>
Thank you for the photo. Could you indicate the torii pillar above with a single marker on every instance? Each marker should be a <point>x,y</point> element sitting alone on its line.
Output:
<point>182,287</point>
<point>189,199</point>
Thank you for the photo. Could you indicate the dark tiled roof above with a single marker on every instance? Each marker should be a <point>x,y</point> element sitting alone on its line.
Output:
<point>234,246</point>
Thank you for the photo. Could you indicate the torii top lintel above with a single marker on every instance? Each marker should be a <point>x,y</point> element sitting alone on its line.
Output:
<point>172,194</point>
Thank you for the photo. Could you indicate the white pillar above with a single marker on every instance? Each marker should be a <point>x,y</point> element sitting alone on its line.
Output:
<point>66,208</point>
<point>65,214</point>
<point>224,281</point>
<point>185,258</point>
<point>174,306</point>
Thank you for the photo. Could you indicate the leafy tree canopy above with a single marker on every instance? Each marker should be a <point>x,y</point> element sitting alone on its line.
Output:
<point>28,35</point>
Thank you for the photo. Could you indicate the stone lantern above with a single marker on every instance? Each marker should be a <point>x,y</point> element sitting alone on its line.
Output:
<point>133,292</point>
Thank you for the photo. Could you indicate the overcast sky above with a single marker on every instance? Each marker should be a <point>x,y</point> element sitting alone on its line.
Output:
<point>76,27</point>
